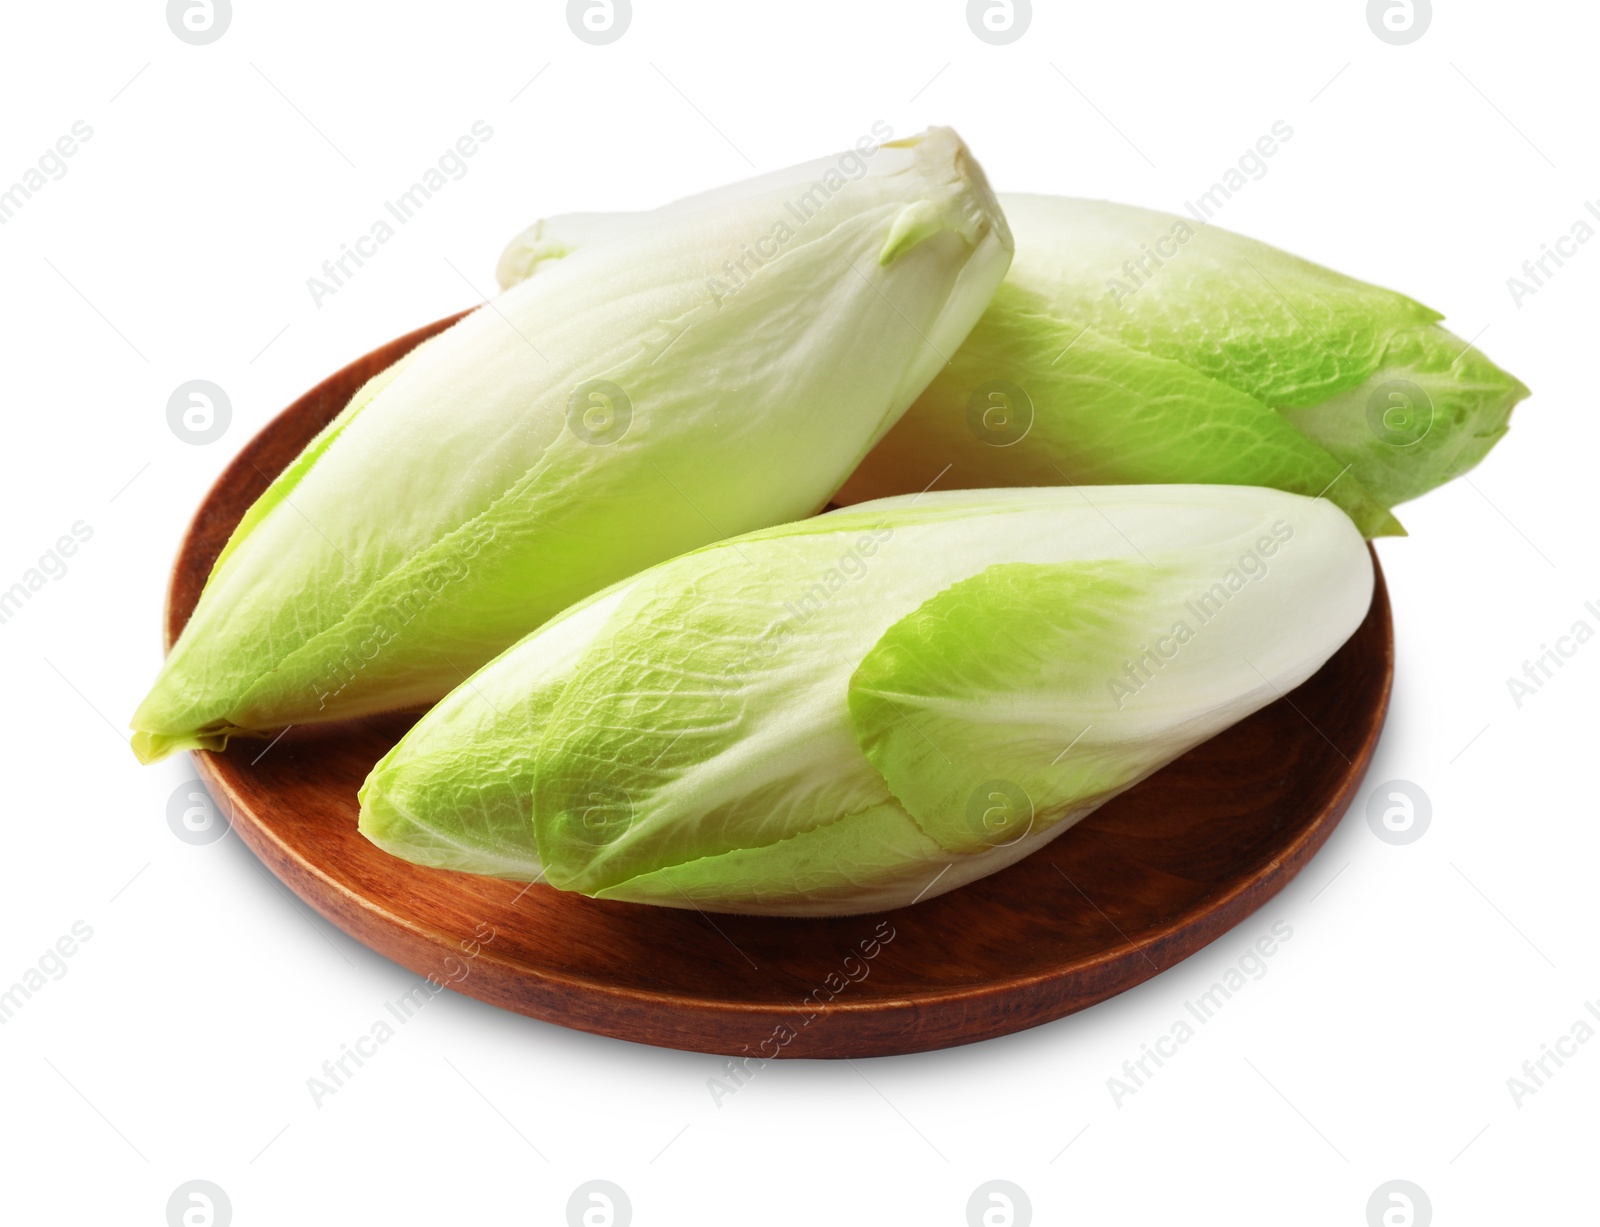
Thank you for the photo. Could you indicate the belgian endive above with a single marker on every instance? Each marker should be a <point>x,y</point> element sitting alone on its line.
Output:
<point>1132,346</point>
<point>718,370</point>
<point>876,705</point>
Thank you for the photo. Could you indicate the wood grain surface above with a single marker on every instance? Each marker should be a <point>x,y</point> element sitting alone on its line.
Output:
<point>1137,886</point>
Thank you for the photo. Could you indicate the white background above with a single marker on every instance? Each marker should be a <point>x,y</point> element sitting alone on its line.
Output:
<point>177,246</point>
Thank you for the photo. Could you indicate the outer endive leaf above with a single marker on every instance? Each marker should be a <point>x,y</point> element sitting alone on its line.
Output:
<point>663,748</point>
<point>1096,411</point>
<point>862,862</point>
<point>1402,444</point>
<point>464,799</point>
<point>1032,692</point>
<point>1279,328</point>
<point>985,677</point>
<point>284,483</point>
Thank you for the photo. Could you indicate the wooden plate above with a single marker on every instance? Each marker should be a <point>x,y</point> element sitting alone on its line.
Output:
<point>1140,884</point>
